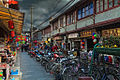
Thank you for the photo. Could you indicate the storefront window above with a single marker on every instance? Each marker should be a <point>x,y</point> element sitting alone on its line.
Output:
<point>83,12</point>
<point>70,19</point>
<point>97,6</point>
<point>53,27</point>
<point>73,18</point>
<point>79,14</point>
<point>67,19</point>
<point>91,8</point>
<point>106,4</point>
<point>64,21</point>
<point>110,3</point>
<point>56,25</point>
<point>116,2</point>
<point>87,11</point>
<point>101,5</point>
<point>61,22</point>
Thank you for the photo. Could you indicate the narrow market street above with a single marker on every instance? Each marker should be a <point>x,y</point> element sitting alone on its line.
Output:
<point>32,70</point>
<point>59,39</point>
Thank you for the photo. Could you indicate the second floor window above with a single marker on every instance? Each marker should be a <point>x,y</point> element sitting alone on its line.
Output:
<point>69,19</point>
<point>73,17</point>
<point>91,8</point>
<point>55,25</point>
<point>61,22</point>
<point>79,14</point>
<point>102,5</point>
<point>116,2</point>
<point>85,11</point>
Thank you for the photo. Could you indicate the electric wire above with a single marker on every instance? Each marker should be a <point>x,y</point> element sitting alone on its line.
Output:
<point>70,2</point>
<point>56,4</point>
<point>64,9</point>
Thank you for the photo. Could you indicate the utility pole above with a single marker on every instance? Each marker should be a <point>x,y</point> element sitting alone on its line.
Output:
<point>31,24</point>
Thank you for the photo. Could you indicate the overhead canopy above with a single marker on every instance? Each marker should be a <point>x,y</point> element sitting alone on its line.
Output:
<point>7,14</point>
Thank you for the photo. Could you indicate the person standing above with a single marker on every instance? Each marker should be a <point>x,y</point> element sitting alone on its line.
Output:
<point>78,53</point>
<point>22,47</point>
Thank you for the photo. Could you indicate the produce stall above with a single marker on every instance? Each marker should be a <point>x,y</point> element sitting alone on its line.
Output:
<point>11,22</point>
<point>107,62</point>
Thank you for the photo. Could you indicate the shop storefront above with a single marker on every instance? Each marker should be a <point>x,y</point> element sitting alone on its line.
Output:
<point>74,40</point>
<point>11,22</point>
<point>58,41</point>
<point>4,71</point>
<point>86,38</point>
<point>111,32</point>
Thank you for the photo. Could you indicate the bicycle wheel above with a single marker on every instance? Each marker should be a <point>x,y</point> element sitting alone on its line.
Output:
<point>96,75</point>
<point>37,59</point>
<point>47,67</point>
<point>66,75</point>
<point>111,77</point>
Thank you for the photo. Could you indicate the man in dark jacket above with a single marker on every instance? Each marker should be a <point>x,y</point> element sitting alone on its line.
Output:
<point>22,47</point>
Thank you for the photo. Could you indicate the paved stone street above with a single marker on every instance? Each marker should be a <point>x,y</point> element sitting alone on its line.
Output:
<point>32,70</point>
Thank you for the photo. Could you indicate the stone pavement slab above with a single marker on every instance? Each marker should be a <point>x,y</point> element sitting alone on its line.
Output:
<point>32,70</point>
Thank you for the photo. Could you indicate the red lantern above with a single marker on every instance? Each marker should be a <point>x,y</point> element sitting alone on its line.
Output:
<point>35,41</point>
<point>82,44</point>
<point>25,39</point>
<point>10,24</point>
<point>8,38</point>
<point>12,34</point>
<point>17,40</point>
<point>11,40</point>
<point>95,42</point>
<point>13,2</point>
<point>93,37</point>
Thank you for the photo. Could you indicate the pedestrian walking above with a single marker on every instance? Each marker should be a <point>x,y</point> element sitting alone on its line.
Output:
<point>25,47</point>
<point>22,47</point>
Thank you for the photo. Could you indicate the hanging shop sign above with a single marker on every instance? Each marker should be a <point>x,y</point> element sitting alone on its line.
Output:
<point>58,38</point>
<point>73,35</point>
<point>3,65</point>
<point>111,32</point>
<point>2,46</point>
<point>87,33</point>
<point>42,41</point>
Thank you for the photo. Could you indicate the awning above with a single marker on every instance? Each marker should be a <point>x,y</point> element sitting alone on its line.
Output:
<point>7,14</point>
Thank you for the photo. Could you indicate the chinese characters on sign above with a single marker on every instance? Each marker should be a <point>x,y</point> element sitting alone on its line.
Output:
<point>87,33</point>
<point>3,65</point>
<point>73,35</point>
<point>57,38</point>
<point>111,32</point>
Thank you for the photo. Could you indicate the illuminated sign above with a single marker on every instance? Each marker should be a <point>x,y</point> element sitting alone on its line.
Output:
<point>111,32</point>
<point>74,35</point>
<point>87,33</point>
